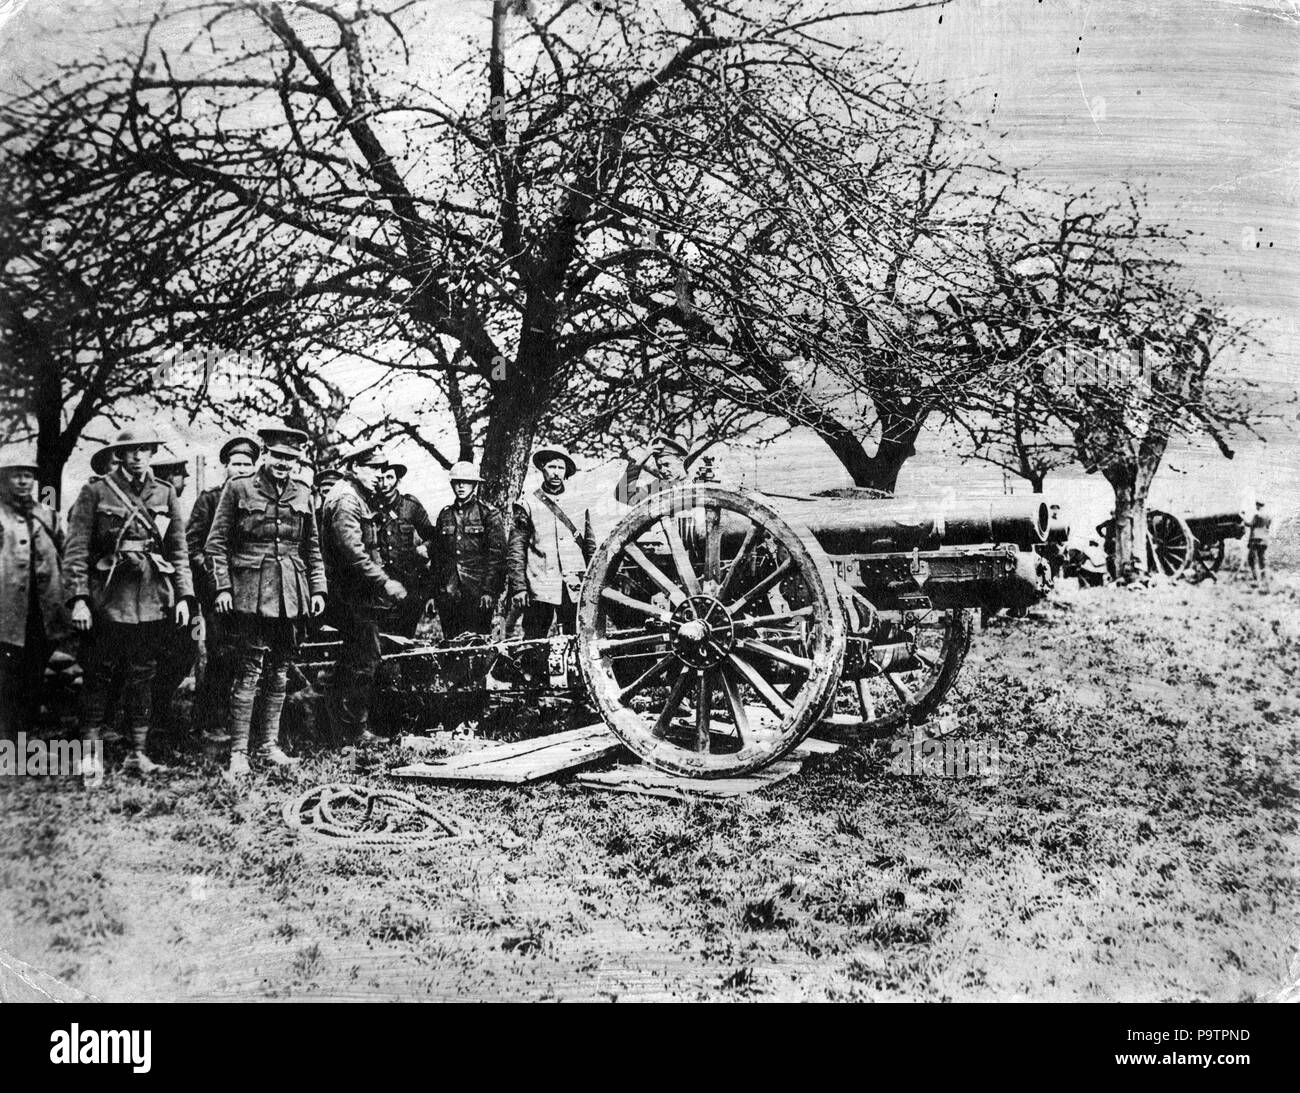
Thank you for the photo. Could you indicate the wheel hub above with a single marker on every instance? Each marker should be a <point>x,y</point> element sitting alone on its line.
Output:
<point>701,632</point>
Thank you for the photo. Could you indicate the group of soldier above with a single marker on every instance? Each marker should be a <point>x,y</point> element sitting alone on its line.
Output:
<point>264,559</point>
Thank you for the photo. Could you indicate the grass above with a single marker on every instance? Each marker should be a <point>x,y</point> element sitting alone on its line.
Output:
<point>1137,842</point>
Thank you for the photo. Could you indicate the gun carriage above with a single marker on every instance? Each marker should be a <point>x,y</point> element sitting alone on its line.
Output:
<point>1176,544</point>
<point>716,629</point>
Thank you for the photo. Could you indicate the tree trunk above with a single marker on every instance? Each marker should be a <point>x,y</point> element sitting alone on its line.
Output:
<point>514,413</point>
<point>1130,534</point>
<point>52,447</point>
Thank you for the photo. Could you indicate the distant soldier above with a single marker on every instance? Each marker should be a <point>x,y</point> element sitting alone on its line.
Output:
<point>177,658</point>
<point>1257,545</point>
<point>547,554</point>
<point>404,526</point>
<point>269,579</point>
<point>31,593</point>
<point>212,695</point>
<point>659,466</point>
<point>127,576</point>
<point>321,485</point>
<point>469,557</point>
<point>103,461</point>
<point>360,588</point>
<point>174,470</point>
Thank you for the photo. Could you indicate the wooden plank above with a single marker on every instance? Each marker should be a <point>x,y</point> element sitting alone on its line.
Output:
<point>657,783</point>
<point>522,761</point>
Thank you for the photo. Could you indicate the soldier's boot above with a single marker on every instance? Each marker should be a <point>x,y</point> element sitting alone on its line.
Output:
<point>138,762</point>
<point>243,697</point>
<point>348,703</point>
<point>268,721</point>
<point>237,767</point>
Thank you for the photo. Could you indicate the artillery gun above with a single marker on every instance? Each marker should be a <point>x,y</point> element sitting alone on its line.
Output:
<point>1177,544</point>
<point>717,629</point>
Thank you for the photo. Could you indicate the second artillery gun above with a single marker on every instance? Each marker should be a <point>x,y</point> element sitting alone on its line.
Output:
<point>717,628</point>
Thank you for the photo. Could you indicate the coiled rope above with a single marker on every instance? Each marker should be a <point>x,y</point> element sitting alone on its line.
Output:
<point>346,814</point>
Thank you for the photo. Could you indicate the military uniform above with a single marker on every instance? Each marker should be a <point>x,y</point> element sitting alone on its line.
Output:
<point>402,524</point>
<point>126,558</point>
<point>31,602</point>
<point>212,693</point>
<point>264,551</point>
<point>357,580</point>
<point>548,552</point>
<point>469,554</point>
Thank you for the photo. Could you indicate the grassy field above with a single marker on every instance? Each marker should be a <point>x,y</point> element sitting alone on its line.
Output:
<point>1137,841</point>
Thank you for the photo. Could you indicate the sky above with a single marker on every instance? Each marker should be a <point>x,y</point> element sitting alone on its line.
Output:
<point>1194,100</point>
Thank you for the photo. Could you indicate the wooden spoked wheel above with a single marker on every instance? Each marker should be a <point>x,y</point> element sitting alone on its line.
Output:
<point>1170,543</point>
<point>710,634</point>
<point>1171,546</point>
<point>883,704</point>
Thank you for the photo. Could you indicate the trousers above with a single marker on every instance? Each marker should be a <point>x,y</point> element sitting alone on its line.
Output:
<point>351,690</point>
<point>265,649</point>
<point>135,647</point>
<point>537,617</point>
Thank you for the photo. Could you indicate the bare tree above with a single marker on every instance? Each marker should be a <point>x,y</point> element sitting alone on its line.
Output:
<point>488,225</point>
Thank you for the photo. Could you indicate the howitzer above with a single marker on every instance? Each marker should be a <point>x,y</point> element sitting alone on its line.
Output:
<point>716,629</point>
<point>1176,543</point>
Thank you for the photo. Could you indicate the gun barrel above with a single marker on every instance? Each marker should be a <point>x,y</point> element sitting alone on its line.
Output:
<point>1217,526</point>
<point>844,525</point>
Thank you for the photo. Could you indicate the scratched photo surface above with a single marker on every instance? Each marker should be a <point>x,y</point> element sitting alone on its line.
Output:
<point>610,500</point>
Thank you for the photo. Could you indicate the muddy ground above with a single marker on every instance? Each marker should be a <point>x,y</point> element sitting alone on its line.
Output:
<point>1136,840</point>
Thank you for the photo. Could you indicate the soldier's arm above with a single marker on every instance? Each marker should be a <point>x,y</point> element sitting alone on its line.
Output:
<point>217,544</point>
<point>200,523</point>
<point>630,489</point>
<point>496,551</point>
<point>177,550</point>
<point>588,536</point>
<point>76,554</point>
<point>423,525</point>
<point>345,527</point>
<point>521,533</point>
<point>312,555</point>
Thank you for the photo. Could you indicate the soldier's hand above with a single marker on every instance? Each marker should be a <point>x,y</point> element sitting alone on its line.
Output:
<point>182,613</point>
<point>394,590</point>
<point>486,602</point>
<point>519,600</point>
<point>81,615</point>
<point>430,606</point>
<point>317,606</point>
<point>224,603</point>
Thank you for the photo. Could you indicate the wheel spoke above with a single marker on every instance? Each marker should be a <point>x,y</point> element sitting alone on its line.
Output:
<point>733,701</point>
<point>615,596</point>
<point>754,678</point>
<point>685,571</point>
<point>909,699</point>
<point>773,653</point>
<point>763,586</point>
<point>674,700</point>
<point>713,543</point>
<point>638,684</point>
<point>767,620</point>
<point>661,579</point>
<point>751,537</point>
<point>703,696</point>
<point>866,703</point>
<point>926,658</point>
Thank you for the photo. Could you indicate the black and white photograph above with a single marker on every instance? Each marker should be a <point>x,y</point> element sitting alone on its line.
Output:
<point>681,501</point>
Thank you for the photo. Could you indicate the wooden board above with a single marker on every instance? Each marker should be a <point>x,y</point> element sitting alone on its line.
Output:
<point>522,761</point>
<point>646,780</point>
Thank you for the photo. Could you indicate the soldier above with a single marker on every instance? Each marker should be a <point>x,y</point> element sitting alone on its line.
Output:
<point>177,658</point>
<point>547,554</point>
<point>212,695</point>
<point>401,521</point>
<point>1257,545</point>
<point>661,465</point>
<point>174,470</point>
<point>127,577</point>
<point>31,593</point>
<point>102,462</point>
<point>269,579</point>
<point>469,557</point>
<point>361,589</point>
